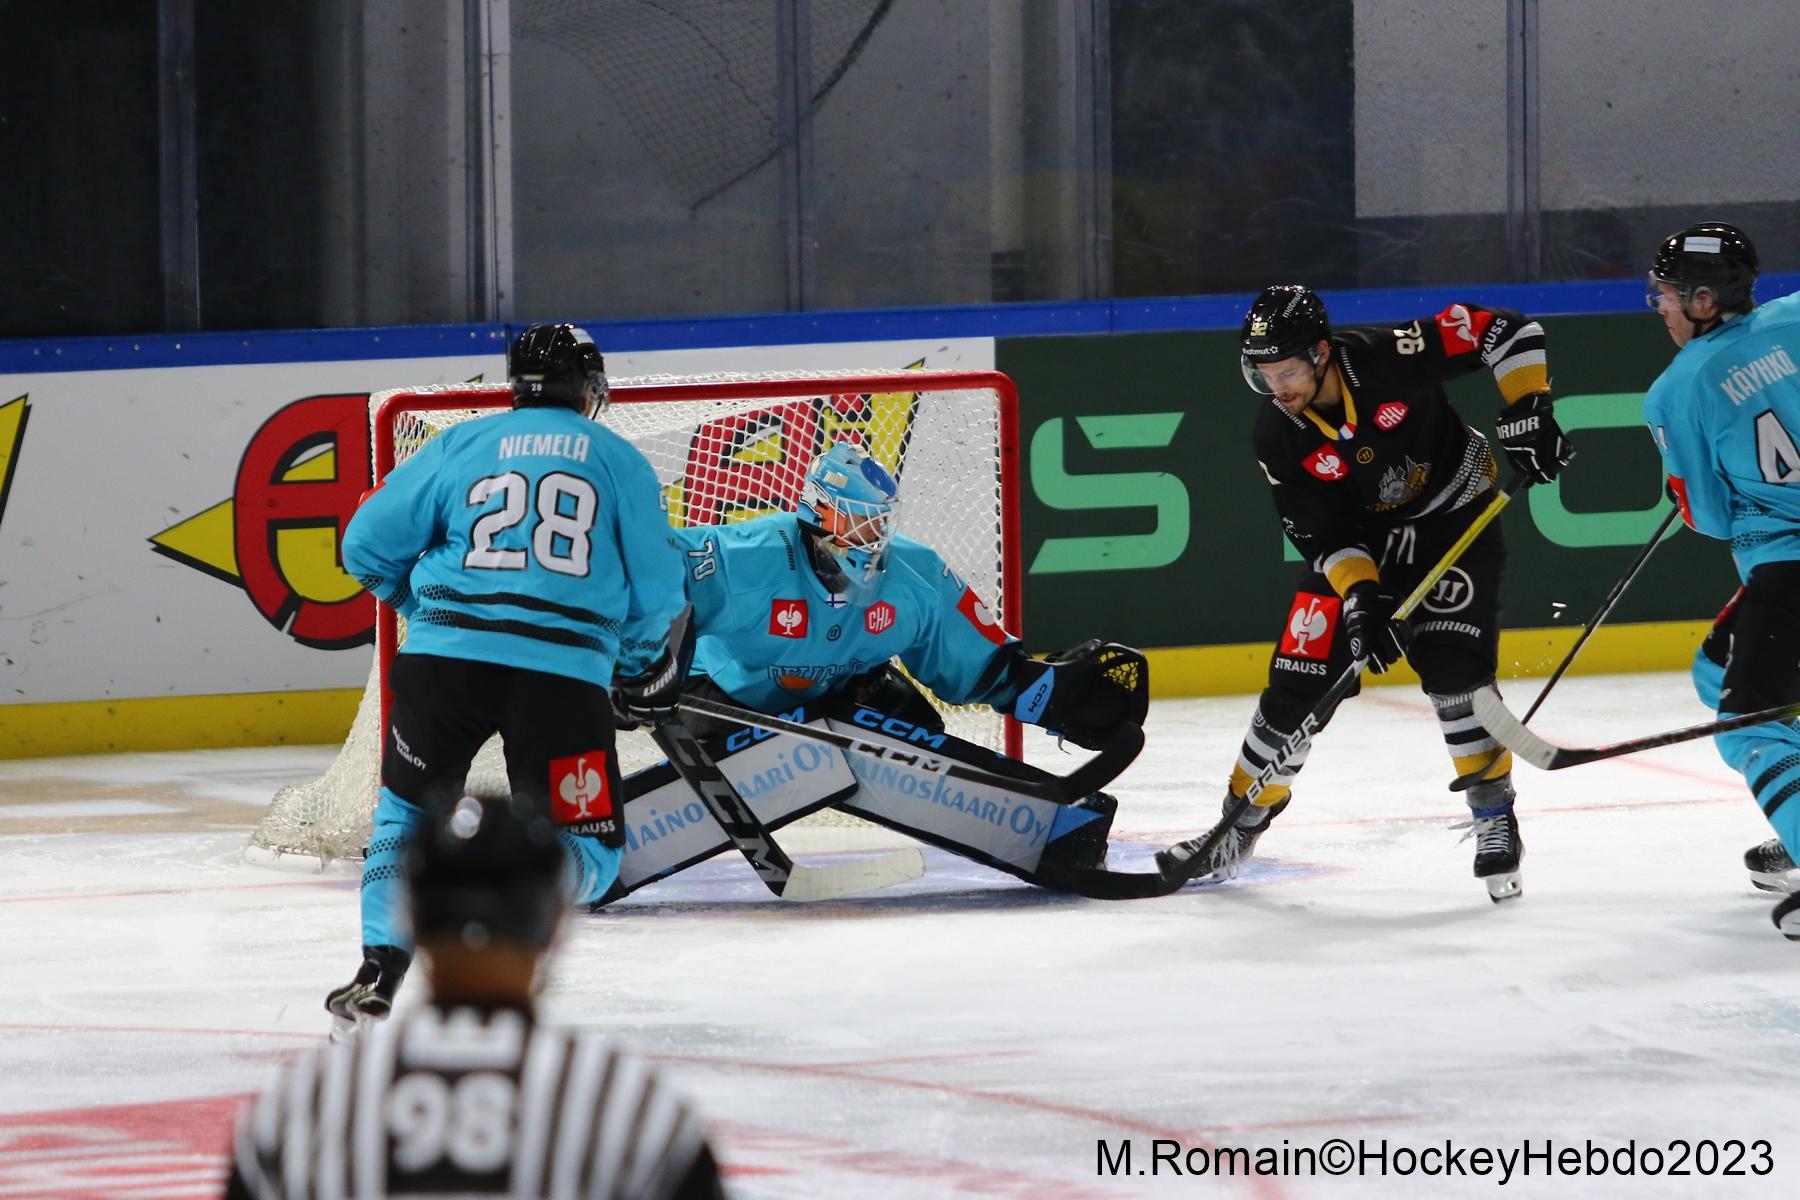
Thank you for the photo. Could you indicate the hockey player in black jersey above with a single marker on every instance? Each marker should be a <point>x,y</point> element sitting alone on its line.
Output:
<point>1374,476</point>
<point>467,1095</point>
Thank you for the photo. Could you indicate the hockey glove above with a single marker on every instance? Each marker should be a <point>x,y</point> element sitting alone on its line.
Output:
<point>1529,434</point>
<point>1369,624</point>
<point>1087,692</point>
<point>650,695</point>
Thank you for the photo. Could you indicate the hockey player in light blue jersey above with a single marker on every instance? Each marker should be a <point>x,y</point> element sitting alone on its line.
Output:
<point>531,559</point>
<point>801,614</point>
<point>1726,416</point>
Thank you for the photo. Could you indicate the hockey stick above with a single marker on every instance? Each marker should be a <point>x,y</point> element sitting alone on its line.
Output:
<point>1510,732</point>
<point>1463,783</point>
<point>781,874</point>
<point>1083,781</point>
<point>1184,860</point>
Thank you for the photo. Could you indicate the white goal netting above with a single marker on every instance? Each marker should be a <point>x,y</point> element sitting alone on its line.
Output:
<point>724,448</point>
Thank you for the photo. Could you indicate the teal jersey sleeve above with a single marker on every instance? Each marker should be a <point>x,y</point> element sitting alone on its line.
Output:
<point>533,539</point>
<point>770,634</point>
<point>1725,416</point>
<point>959,650</point>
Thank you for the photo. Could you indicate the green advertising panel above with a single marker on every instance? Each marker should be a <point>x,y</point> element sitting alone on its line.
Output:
<point>1147,520</point>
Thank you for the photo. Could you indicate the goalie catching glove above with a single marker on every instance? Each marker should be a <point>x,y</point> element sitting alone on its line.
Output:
<point>1085,693</point>
<point>649,696</point>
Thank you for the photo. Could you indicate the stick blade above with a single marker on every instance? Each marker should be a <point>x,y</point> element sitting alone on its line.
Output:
<point>812,883</point>
<point>1510,732</point>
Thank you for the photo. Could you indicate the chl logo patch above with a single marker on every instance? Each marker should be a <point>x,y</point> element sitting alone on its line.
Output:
<point>1390,414</point>
<point>1325,463</point>
<point>1452,593</point>
<point>578,789</point>
<point>787,618</point>
<point>880,618</point>
<point>1311,624</point>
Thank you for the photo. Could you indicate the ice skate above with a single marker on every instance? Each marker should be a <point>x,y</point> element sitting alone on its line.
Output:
<point>370,995</point>
<point>1239,843</point>
<point>1787,916</point>
<point>1771,867</point>
<point>1498,851</point>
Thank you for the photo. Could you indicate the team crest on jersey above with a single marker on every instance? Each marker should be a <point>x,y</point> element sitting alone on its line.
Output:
<point>1310,626</point>
<point>1390,414</point>
<point>971,607</point>
<point>879,618</point>
<point>787,618</point>
<point>578,789</point>
<point>1400,485</point>
<point>1461,329</point>
<point>1326,463</point>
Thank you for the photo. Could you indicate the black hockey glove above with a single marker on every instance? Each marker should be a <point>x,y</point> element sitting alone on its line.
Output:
<point>1529,434</point>
<point>1087,692</point>
<point>650,696</point>
<point>1369,624</point>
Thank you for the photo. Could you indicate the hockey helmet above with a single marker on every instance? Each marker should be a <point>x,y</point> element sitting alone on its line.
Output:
<point>488,871</point>
<point>848,502</point>
<point>1285,321</point>
<point>1711,256</point>
<point>553,366</point>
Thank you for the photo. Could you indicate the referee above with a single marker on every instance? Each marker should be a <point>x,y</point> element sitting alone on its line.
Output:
<point>467,1095</point>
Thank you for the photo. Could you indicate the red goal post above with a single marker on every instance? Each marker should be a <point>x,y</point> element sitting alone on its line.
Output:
<point>725,447</point>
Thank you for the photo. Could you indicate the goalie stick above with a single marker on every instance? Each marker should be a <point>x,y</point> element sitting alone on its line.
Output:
<point>1184,860</point>
<point>1085,780</point>
<point>781,874</point>
<point>1510,732</point>
<point>1463,783</point>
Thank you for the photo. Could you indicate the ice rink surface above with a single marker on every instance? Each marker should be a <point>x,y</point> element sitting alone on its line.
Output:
<point>966,1035</point>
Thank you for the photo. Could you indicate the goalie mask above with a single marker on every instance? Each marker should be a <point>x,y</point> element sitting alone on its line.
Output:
<point>557,366</point>
<point>848,506</point>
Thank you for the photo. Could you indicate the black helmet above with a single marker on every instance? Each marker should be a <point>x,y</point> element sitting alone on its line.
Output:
<point>552,365</point>
<point>488,871</point>
<point>1711,255</point>
<point>1286,320</point>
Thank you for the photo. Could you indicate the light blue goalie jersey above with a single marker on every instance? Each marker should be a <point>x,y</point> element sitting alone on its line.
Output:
<point>772,635</point>
<point>1726,416</point>
<point>532,539</point>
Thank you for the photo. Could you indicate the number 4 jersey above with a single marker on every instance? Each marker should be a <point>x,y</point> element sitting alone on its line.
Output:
<point>1726,416</point>
<point>532,539</point>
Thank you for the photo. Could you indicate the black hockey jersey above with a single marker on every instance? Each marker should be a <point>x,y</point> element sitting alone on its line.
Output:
<point>1394,451</point>
<point>471,1103</point>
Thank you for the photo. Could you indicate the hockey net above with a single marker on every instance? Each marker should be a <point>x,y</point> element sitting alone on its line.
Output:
<point>724,448</point>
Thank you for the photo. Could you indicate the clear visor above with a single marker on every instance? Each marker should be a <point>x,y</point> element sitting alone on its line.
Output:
<point>1679,295</point>
<point>1288,374</point>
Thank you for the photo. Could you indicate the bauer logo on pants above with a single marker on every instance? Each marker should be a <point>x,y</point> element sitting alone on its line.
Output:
<point>1310,626</point>
<point>787,618</point>
<point>578,789</point>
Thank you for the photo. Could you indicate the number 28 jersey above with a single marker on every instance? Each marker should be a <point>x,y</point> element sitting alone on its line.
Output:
<point>532,539</point>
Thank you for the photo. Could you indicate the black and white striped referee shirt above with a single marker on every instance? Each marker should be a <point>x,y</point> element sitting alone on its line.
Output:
<point>471,1103</point>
